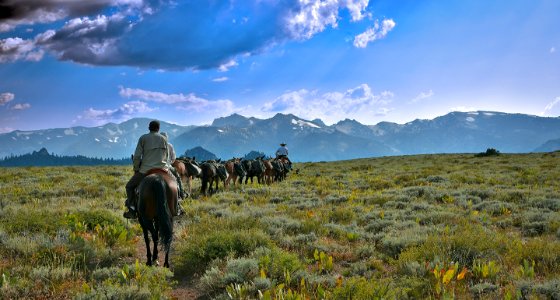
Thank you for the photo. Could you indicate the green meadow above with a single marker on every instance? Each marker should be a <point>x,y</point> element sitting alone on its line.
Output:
<point>404,227</point>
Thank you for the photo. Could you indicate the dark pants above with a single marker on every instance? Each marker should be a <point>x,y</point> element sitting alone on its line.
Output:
<point>178,178</point>
<point>131,186</point>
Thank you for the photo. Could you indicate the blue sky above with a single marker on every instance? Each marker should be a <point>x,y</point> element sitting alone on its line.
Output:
<point>85,63</point>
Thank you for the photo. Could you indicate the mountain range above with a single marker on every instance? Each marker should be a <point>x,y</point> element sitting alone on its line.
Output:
<point>308,140</point>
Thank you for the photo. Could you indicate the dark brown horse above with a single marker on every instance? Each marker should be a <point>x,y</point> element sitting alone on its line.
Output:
<point>157,204</point>
<point>254,168</point>
<point>286,168</point>
<point>208,177</point>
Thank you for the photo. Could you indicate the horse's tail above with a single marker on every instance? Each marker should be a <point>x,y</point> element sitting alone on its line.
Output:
<point>159,187</point>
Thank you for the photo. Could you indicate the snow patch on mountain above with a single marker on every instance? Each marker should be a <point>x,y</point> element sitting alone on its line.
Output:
<point>302,123</point>
<point>69,131</point>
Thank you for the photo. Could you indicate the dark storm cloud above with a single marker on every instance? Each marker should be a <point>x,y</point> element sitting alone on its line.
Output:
<point>31,11</point>
<point>188,34</point>
<point>85,40</point>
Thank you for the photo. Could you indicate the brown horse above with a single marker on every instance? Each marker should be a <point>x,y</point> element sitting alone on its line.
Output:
<point>269,172</point>
<point>157,203</point>
<point>286,167</point>
<point>187,168</point>
<point>235,170</point>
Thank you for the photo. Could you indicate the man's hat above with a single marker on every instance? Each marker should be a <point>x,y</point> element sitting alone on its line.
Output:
<point>282,144</point>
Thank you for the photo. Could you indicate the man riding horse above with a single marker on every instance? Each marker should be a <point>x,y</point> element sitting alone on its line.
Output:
<point>151,153</point>
<point>282,152</point>
<point>170,160</point>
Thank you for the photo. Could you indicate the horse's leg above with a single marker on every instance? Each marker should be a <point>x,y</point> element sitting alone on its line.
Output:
<point>228,179</point>
<point>203,186</point>
<point>166,263</point>
<point>155,238</point>
<point>145,229</point>
<point>189,180</point>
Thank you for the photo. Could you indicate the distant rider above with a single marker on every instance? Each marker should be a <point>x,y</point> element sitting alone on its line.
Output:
<point>151,152</point>
<point>171,159</point>
<point>282,152</point>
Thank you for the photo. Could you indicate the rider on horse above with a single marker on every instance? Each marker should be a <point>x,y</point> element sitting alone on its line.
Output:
<point>151,153</point>
<point>171,159</point>
<point>282,152</point>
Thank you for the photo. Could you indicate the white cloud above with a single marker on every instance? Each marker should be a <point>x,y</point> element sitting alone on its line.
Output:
<point>359,103</point>
<point>310,17</point>
<point>125,111</point>
<point>552,50</point>
<point>225,67</point>
<point>6,97</point>
<point>383,111</point>
<point>356,8</point>
<point>374,33</point>
<point>6,129</point>
<point>462,109</point>
<point>186,102</point>
<point>220,79</point>
<point>21,106</point>
<point>422,96</point>
<point>548,109</point>
<point>12,49</point>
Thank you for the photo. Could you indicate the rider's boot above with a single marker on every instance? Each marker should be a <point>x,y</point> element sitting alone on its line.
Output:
<point>181,196</point>
<point>131,212</point>
<point>179,210</point>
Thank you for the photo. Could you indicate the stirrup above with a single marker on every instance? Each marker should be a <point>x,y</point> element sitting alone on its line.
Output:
<point>130,214</point>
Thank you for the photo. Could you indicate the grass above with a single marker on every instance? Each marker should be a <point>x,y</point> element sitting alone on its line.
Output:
<point>408,227</point>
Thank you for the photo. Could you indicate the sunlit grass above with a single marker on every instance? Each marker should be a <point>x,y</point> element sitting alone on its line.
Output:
<point>391,227</point>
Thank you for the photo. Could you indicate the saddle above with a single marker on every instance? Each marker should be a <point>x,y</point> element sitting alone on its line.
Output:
<point>157,171</point>
<point>150,172</point>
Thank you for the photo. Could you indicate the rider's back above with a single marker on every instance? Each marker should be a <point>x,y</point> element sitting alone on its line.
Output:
<point>151,152</point>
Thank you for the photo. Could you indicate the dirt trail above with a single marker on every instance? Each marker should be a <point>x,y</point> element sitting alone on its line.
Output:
<point>185,287</point>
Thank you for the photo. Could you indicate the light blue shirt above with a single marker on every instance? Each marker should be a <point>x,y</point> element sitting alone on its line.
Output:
<point>282,151</point>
